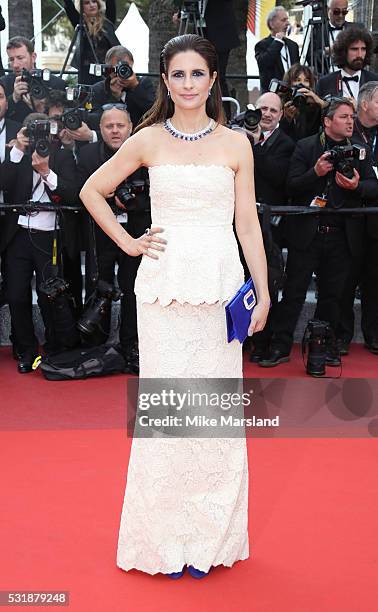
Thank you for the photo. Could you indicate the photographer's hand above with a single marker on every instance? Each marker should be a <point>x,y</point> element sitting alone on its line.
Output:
<point>346,183</point>
<point>323,165</point>
<point>21,91</point>
<point>41,164</point>
<point>115,87</point>
<point>176,18</point>
<point>130,83</point>
<point>308,93</point>
<point>290,112</point>
<point>83,133</point>
<point>22,141</point>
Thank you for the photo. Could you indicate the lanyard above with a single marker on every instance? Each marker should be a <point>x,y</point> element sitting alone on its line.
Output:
<point>346,83</point>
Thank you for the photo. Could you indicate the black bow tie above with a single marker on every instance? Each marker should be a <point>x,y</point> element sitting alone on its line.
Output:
<point>331,27</point>
<point>353,78</point>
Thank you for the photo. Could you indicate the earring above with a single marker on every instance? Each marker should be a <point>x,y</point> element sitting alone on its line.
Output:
<point>169,94</point>
<point>209,93</point>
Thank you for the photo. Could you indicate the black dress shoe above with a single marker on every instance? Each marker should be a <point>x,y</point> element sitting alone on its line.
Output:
<point>343,346</point>
<point>132,361</point>
<point>372,346</point>
<point>257,354</point>
<point>333,357</point>
<point>25,364</point>
<point>274,358</point>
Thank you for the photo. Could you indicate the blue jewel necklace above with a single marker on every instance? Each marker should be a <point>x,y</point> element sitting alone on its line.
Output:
<point>194,136</point>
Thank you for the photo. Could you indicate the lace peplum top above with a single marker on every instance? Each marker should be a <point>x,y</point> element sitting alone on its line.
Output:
<point>195,206</point>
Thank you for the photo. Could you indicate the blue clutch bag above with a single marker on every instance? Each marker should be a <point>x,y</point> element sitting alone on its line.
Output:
<point>239,310</point>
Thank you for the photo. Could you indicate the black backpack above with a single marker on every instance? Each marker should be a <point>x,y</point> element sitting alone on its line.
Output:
<point>83,363</point>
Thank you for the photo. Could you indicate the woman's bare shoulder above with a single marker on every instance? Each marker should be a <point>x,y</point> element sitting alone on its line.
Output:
<point>143,141</point>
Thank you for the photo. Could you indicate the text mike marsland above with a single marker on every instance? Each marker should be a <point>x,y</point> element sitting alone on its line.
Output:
<point>203,421</point>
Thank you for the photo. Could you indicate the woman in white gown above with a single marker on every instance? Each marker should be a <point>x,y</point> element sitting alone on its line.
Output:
<point>186,500</point>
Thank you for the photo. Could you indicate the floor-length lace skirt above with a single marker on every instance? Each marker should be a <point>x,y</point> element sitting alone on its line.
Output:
<point>186,500</point>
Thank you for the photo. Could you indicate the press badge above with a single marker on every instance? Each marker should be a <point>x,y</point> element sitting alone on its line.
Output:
<point>319,202</point>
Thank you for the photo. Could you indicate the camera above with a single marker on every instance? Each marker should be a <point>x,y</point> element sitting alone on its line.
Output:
<point>40,133</point>
<point>81,94</point>
<point>123,70</point>
<point>248,119</point>
<point>98,305</point>
<point>289,94</point>
<point>62,306</point>
<point>317,336</point>
<point>127,192</point>
<point>38,82</point>
<point>73,118</point>
<point>342,158</point>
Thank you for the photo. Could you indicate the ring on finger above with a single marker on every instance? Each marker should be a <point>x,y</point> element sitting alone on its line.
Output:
<point>148,232</point>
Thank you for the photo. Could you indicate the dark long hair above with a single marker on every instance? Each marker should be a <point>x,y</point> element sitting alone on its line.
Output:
<point>295,71</point>
<point>345,39</point>
<point>163,108</point>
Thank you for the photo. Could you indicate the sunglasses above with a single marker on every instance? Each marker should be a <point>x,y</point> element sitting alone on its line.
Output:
<point>340,11</point>
<point>117,105</point>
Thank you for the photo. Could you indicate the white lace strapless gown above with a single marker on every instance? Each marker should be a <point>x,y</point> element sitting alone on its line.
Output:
<point>186,500</point>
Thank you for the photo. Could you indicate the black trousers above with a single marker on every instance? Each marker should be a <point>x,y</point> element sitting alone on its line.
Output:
<point>29,251</point>
<point>108,254</point>
<point>329,255</point>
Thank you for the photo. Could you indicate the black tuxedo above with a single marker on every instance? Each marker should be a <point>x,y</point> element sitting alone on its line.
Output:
<point>138,100</point>
<point>319,45</point>
<point>221,27</point>
<point>332,83</point>
<point>19,110</point>
<point>91,157</point>
<point>325,243</point>
<point>28,250</point>
<point>268,56</point>
<point>271,164</point>
<point>2,27</point>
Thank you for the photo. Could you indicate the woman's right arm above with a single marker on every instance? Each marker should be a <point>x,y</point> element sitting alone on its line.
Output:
<point>71,12</point>
<point>104,181</point>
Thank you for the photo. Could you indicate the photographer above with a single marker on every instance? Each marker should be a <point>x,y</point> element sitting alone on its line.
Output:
<point>276,53</point>
<point>364,269</point>
<point>99,20</point>
<point>63,112</point>
<point>134,214</point>
<point>322,175</point>
<point>272,150</point>
<point>21,58</point>
<point>302,108</point>
<point>352,52</point>
<point>36,171</point>
<point>137,94</point>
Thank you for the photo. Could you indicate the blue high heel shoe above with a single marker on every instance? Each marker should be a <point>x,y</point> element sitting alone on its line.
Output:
<point>176,575</point>
<point>195,573</point>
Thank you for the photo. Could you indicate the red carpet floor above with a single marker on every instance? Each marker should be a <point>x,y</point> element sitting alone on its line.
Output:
<point>64,455</point>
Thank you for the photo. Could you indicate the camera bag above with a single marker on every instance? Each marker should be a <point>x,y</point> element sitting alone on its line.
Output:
<point>81,363</point>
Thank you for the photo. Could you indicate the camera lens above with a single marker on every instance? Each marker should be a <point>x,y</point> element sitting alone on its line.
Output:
<point>124,70</point>
<point>42,147</point>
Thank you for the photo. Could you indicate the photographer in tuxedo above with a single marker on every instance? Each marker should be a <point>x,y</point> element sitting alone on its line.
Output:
<point>364,269</point>
<point>138,94</point>
<point>325,243</point>
<point>27,238</point>
<point>133,214</point>
<point>276,53</point>
<point>272,150</point>
<point>352,52</point>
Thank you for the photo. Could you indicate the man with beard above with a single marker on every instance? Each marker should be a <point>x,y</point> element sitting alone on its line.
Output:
<point>134,215</point>
<point>351,52</point>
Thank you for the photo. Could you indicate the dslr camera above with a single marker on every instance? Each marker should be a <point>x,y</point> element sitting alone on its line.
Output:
<point>62,306</point>
<point>317,337</point>
<point>73,118</point>
<point>97,306</point>
<point>247,120</point>
<point>81,94</point>
<point>123,70</point>
<point>38,82</point>
<point>41,133</point>
<point>289,94</point>
<point>127,192</point>
<point>342,158</point>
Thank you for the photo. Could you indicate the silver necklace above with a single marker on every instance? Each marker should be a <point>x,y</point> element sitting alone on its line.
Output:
<point>194,136</point>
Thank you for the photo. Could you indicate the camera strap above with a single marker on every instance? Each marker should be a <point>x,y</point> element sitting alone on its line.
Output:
<point>54,257</point>
<point>92,251</point>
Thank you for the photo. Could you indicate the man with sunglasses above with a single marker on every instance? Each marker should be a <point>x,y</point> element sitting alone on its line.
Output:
<point>133,214</point>
<point>336,23</point>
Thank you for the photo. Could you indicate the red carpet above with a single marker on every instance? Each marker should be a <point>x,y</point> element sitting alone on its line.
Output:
<point>313,506</point>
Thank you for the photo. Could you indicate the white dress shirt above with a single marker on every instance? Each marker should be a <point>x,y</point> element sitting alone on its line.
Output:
<point>353,85</point>
<point>44,220</point>
<point>285,55</point>
<point>3,137</point>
